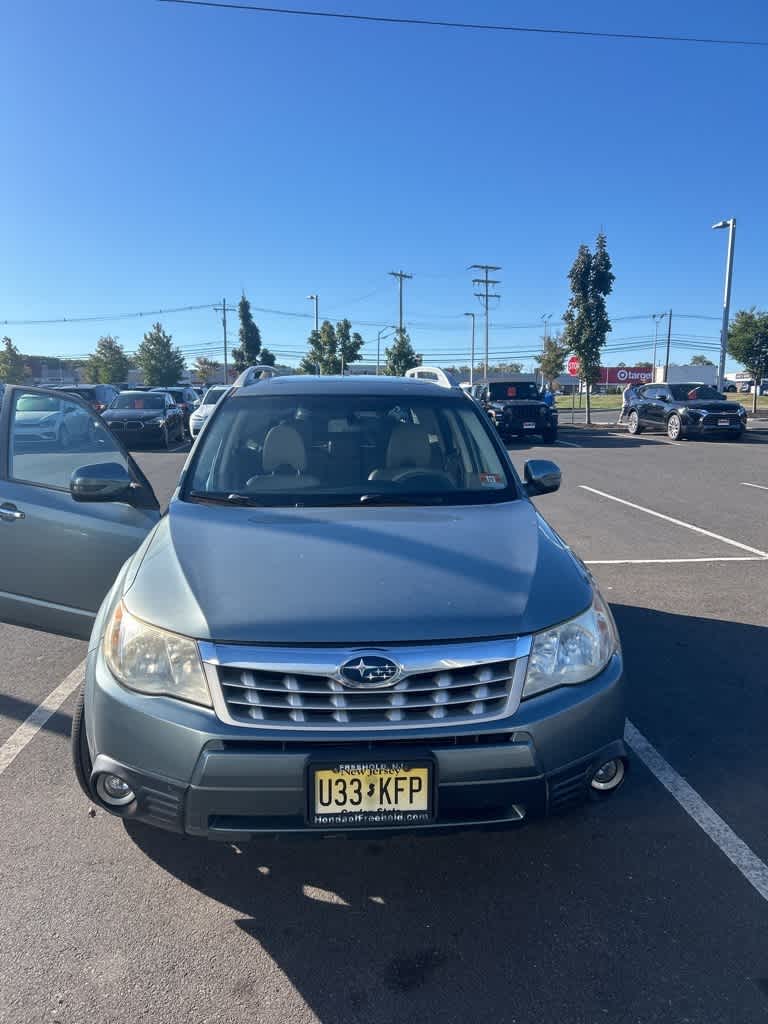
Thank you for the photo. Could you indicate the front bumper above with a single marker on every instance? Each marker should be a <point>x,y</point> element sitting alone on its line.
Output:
<point>196,775</point>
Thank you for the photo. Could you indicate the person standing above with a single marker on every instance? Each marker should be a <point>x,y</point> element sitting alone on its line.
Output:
<point>627,396</point>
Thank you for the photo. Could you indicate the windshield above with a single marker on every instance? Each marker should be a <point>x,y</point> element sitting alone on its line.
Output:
<point>346,449</point>
<point>87,393</point>
<point>213,395</point>
<point>31,403</point>
<point>499,391</point>
<point>142,401</point>
<point>176,393</point>
<point>694,392</point>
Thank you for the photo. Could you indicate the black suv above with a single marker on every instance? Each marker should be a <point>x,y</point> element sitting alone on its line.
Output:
<point>98,396</point>
<point>685,410</point>
<point>185,398</point>
<point>518,410</point>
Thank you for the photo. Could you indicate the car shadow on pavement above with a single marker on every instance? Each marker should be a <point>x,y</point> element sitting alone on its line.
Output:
<point>20,710</point>
<point>550,922</point>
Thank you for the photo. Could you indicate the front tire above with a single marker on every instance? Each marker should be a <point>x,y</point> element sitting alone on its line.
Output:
<point>633,426</point>
<point>549,436</point>
<point>166,439</point>
<point>81,755</point>
<point>674,427</point>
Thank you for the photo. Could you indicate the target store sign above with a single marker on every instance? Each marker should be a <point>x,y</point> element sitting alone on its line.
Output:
<point>625,375</point>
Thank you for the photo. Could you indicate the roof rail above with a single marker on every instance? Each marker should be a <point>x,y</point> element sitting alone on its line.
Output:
<point>252,374</point>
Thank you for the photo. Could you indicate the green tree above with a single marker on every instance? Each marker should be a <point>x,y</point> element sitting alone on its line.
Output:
<point>12,368</point>
<point>551,359</point>
<point>108,364</point>
<point>700,360</point>
<point>586,319</point>
<point>400,355</point>
<point>205,368</point>
<point>250,338</point>
<point>160,361</point>
<point>349,344</point>
<point>747,344</point>
<point>322,351</point>
<point>643,365</point>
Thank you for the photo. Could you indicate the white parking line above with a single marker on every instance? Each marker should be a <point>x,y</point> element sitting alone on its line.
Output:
<point>760,487</point>
<point>675,561</point>
<point>31,726</point>
<point>677,522</point>
<point>709,821</point>
<point>569,444</point>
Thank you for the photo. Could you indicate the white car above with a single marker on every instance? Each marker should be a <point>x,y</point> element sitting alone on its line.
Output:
<point>206,407</point>
<point>44,420</point>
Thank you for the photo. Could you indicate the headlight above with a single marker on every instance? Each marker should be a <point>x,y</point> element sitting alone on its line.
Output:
<point>158,421</point>
<point>572,652</point>
<point>150,660</point>
<point>741,410</point>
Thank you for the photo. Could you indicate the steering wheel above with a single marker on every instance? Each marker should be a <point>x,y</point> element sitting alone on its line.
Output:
<point>426,475</point>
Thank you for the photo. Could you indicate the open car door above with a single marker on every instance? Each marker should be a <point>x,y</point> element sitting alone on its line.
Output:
<point>73,507</point>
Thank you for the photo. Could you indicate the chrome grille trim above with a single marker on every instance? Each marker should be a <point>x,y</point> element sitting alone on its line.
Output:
<point>294,688</point>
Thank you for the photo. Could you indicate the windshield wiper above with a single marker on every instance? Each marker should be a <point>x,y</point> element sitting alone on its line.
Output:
<point>224,499</point>
<point>401,499</point>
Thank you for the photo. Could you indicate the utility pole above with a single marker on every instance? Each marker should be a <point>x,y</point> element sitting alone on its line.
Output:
<point>546,317</point>
<point>669,339</point>
<point>378,345</point>
<point>401,276</point>
<point>485,282</point>
<point>472,355</point>
<point>224,322</point>
<point>656,318</point>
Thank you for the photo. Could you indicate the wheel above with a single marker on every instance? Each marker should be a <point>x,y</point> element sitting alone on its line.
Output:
<point>674,427</point>
<point>549,436</point>
<point>166,439</point>
<point>64,439</point>
<point>81,755</point>
<point>633,426</point>
<point>736,436</point>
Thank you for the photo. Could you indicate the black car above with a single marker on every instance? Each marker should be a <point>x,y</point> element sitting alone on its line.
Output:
<point>685,410</point>
<point>185,398</point>
<point>519,410</point>
<point>145,416</point>
<point>98,396</point>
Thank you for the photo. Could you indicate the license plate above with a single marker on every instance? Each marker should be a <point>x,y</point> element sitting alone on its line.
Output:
<point>348,795</point>
<point>529,426</point>
<point>724,423</point>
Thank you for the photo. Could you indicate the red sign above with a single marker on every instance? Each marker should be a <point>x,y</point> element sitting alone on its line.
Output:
<point>574,366</point>
<point>625,375</point>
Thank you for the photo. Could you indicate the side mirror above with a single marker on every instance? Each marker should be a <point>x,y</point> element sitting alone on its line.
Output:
<point>104,481</point>
<point>541,476</point>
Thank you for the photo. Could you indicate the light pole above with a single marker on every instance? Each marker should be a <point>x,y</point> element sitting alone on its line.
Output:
<point>657,318</point>
<point>313,298</point>
<point>731,225</point>
<point>378,345</point>
<point>472,355</point>
<point>546,317</point>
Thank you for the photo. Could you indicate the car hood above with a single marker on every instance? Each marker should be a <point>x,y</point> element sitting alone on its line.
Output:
<point>355,575</point>
<point>133,414</point>
<point>712,406</point>
<point>532,402</point>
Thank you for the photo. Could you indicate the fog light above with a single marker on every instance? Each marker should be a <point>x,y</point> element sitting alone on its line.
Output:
<point>113,790</point>
<point>609,775</point>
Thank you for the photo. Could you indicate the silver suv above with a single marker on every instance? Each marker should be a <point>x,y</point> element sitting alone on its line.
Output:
<point>351,618</point>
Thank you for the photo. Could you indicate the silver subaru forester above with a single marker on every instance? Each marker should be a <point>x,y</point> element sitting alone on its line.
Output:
<point>351,619</point>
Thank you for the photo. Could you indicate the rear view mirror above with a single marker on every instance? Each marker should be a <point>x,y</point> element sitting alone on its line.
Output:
<point>104,481</point>
<point>541,476</point>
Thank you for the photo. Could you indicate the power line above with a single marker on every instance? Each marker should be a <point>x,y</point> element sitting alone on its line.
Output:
<point>474,26</point>
<point>103,316</point>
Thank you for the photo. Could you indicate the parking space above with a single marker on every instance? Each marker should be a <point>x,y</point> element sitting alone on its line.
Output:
<point>627,911</point>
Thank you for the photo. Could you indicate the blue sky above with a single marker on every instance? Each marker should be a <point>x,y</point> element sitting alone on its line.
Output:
<point>156,156</point>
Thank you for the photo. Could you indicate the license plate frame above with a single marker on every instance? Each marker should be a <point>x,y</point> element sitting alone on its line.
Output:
<point>529,426</point>
<point>355,767</point>
<point>723,422</point>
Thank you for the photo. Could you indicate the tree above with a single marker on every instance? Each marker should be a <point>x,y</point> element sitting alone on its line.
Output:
<point>322,347</point>
<point>551,359</point>
<point>160,361</point>
<point>108,364</point>
<point>700,360</point>
<point>205,368</point>
<point>250,338</point>
<point>748,344</point>
<point>12,369</point>
<point>644,365</point>
<point>586,319</point>
<point>400,355</point>
<point>349,344</point>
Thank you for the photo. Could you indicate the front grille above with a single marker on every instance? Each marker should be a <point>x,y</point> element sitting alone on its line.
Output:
<point>437,686</point>
<point>125,425</point>
<point>713,420</point>
<point>523,414</point>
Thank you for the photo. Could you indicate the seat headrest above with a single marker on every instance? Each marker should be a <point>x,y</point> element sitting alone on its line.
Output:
<point>408,446</point>
<point>283,446</point>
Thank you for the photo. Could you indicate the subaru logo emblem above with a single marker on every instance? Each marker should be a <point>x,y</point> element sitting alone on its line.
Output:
<point>368,670</point>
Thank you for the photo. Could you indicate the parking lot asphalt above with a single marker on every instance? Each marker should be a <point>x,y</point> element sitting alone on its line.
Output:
<point>623,911</point>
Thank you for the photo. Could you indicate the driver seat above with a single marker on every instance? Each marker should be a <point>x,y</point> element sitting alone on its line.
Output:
<point>408,448</point>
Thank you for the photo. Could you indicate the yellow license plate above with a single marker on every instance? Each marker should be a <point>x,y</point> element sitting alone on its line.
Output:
<point>372,794</point>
